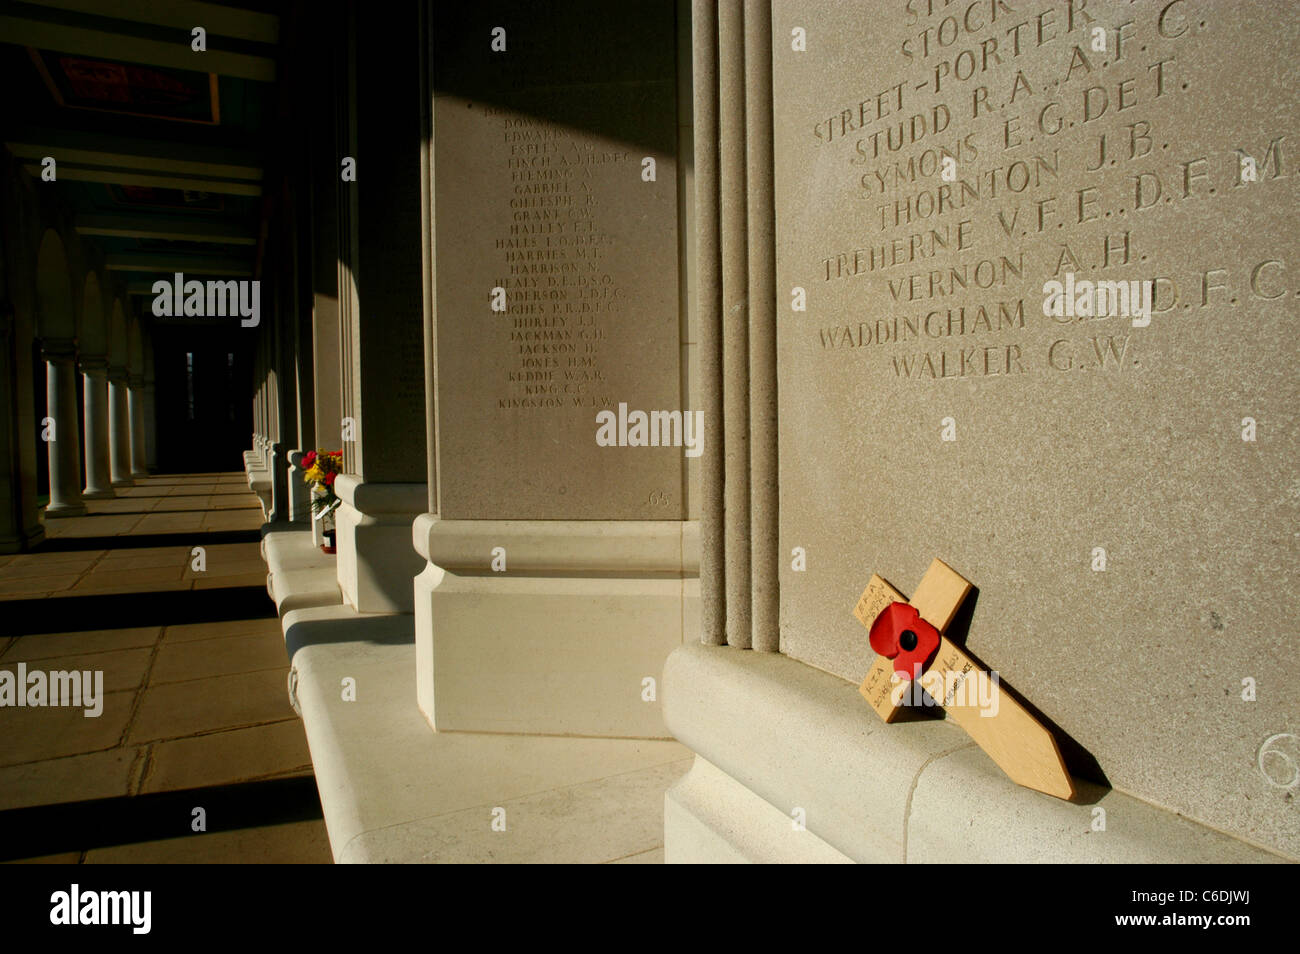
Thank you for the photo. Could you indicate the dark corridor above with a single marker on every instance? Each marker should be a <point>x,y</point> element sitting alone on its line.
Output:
<point>203,378</point>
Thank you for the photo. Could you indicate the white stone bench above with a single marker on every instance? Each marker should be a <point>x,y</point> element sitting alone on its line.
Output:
<point>393,790</point>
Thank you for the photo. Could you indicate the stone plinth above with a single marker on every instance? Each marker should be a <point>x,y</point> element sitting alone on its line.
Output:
<point>560,570</point>
<point>376,564</point>
<point>567,635</point>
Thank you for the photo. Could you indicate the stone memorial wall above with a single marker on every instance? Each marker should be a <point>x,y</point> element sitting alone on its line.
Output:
<point>1049,266</point>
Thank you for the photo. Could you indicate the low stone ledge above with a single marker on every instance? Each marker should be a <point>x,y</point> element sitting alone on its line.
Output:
<point>301,575</point>
<point>913,791</point>
<point>999,822</point>
<point>392,790</point>
<point>710,818</point>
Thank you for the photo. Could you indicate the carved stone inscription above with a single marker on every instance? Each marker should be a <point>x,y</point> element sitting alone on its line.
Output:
<point>1022,144</point>
<point>1038,268</point>
<point>557,295</point>
<point>560,300</point>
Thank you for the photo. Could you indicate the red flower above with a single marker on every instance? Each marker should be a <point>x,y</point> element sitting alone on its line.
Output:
<point>329,480</point>
<point>308,459</point>
<point>900,634</point>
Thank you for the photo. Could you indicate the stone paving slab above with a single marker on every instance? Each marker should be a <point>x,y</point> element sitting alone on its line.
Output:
<point>188,708</point>
<point>32,734</point>
<point>72,779</point>
<point>261,751</point>
<point>221,630</point>
<point>92,526</point>
<point>182,661</point>
<point>50,645</point>
<point>122,669</point>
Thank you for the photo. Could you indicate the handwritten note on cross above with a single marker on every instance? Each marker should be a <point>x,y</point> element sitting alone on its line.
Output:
<point>973,699</point>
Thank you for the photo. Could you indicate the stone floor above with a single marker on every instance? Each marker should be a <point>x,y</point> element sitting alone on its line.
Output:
<point>195,711</point>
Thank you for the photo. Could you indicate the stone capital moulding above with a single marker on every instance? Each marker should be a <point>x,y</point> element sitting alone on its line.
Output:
<point>667,546</point>
<point>375,498</point>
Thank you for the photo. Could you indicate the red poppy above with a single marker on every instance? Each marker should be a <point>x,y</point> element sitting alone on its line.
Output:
<point>900,634</point>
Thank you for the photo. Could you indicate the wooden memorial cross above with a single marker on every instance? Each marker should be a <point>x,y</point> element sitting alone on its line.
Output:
<point>1013,738</point>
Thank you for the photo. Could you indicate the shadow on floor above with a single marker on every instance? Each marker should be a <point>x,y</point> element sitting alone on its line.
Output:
<point>130,819</point>
<point>72,614</point>
<point>70,543</point>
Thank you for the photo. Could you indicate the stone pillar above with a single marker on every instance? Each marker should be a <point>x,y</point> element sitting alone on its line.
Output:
<point>11,489</point>
<point>278,465</point>
<point>119,429</point>
<point>735,228</point>
<point>561,566</point>
<point>708,297</point>
<point>135,408</point>
<point>64,445</point>
<point>327,390</point>
<point>150,428</point>
<point>150,417</point>
<point>98,478</point>
<point>299,492</point>
<point>381,347</point>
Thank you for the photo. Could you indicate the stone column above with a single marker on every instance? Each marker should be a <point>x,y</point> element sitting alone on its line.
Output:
<point>150,428</point>
<point>150,417</point>
<point>99,484</point>
<point>11,477</point>
<point>734,215</point>
<point>135,408</point>
<point>380,284</point>
<point>561,561</point>
<point>63,443</point>
<point>119,429</point>
<point>299,492</point>
<point>278,467</point>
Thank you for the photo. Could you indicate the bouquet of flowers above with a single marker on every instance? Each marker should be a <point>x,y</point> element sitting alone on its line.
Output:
<point>322,467</point>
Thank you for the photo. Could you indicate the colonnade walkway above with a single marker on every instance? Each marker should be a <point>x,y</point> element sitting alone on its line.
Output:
<point>195,710</point>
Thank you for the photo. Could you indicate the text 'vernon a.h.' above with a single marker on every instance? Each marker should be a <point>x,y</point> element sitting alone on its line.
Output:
<point>651,429</point>
<point>213,299</point>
